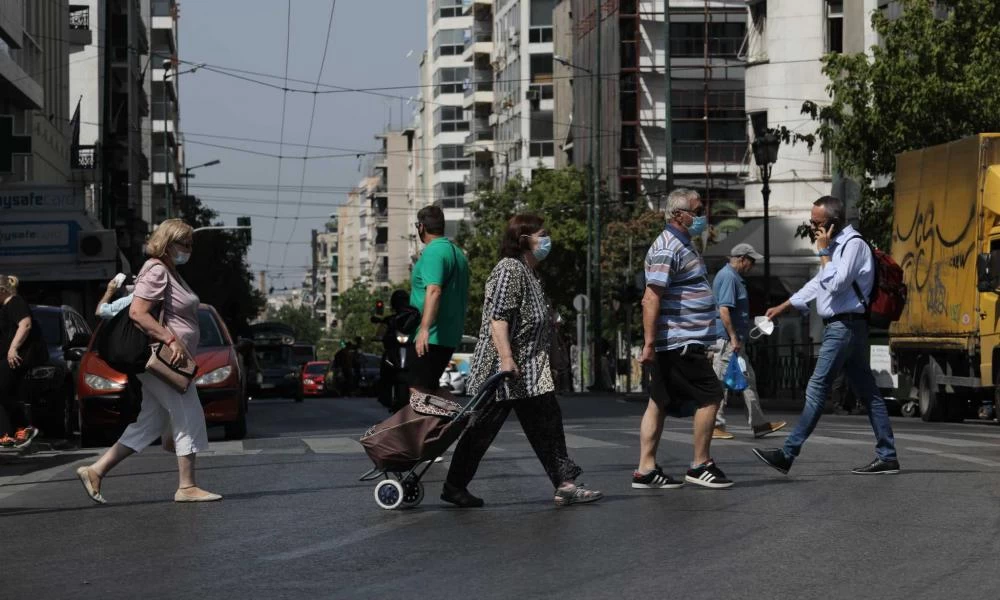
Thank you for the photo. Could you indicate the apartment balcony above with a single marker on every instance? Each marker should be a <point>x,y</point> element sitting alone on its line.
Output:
<point>163,13</point>
<point>476,6</point>
<point>79,27</point>
<point>478,89</point>
<point>480,139</point>
<point>478,41</point>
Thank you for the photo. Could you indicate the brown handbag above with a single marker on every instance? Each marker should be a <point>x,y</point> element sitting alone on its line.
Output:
<point>178,377</point>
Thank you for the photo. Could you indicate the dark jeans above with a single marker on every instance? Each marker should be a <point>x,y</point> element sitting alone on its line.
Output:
<point>844,347</point>
<point>541,420</point>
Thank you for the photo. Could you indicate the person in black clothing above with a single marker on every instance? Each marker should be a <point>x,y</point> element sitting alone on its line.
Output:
<point>21,348</point>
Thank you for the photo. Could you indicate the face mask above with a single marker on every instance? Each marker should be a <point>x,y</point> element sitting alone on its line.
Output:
<point>698,226</point>
<point>543,248</point>
<point>181,258</point>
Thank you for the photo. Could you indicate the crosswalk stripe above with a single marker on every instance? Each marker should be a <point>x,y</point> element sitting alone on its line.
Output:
<point>943,441</point>
<point>577,442</point>
<point>962,457</point>
<point>334,445</point>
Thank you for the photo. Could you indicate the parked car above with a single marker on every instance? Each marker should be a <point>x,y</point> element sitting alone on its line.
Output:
<point>314,378</point>
<point>50,387</point>
<point>220,380</point>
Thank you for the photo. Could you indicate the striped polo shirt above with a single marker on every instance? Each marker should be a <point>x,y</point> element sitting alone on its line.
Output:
<point>687,306</point>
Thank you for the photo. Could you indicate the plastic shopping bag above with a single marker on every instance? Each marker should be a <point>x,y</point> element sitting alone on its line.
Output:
<point>734,378</point>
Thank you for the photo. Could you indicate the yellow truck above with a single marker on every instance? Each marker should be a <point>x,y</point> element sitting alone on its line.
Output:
<point>946,237</point>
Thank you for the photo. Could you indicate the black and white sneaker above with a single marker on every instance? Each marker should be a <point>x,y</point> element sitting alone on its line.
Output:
<point>708,475</point>
<point>655,480</point>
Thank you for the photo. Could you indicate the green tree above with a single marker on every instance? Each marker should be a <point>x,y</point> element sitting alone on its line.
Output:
<point>933,80</point>
<point>218,271</point>
<point>355,307</point>
<point>307,328</point>
<point>559,196</point>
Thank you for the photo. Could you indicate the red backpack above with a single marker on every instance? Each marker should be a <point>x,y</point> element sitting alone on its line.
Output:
<point>888,297</point>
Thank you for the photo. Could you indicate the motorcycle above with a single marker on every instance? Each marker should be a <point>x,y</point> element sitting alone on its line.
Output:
<point>397,332</point>
<point>454,380</point>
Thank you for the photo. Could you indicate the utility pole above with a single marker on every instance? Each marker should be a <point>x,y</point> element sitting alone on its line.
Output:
<point>596,300</point>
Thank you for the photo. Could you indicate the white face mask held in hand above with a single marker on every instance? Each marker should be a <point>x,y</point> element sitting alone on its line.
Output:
<point>762,326</point>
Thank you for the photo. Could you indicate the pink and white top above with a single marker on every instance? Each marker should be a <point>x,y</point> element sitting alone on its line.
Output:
<point>157,284</point>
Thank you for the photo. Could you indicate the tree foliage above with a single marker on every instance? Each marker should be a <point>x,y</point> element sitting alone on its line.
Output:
<point>933,80</point>
<point>355,307</point>
<point>218,271</point>
<point>559,196</point>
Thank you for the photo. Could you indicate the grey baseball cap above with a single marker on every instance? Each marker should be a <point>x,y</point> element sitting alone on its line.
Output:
<point>746,250</point>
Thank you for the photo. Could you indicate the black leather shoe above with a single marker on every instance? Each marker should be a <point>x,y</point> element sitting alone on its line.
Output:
<point>878,467</point>
<point>775,458</point>
<point>460,497</point>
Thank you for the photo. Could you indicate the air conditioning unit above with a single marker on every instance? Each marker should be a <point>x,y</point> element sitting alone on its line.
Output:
<point>97,246</point>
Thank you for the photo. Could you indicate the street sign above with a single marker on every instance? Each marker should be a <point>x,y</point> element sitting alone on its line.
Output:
<point>11,144</point>
<point>581,302</point>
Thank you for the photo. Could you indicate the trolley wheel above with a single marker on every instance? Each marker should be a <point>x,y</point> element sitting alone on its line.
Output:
<point>389,494</point>
<point>911,409</point>
<point>413,494</point>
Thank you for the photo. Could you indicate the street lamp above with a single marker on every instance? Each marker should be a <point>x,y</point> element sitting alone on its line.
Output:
<point>765,154</point>
<point>188,175</point>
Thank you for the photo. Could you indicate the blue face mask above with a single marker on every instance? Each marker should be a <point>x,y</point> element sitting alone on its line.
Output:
<point>698,226</point>
<point>543,248</point>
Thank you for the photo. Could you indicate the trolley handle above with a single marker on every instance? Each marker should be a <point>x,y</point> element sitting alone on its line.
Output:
<point>489,387</point>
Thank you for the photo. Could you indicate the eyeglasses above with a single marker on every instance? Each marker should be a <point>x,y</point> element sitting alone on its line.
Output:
<point>185,244</point>
<point>417,224</point>
<point>698,213</point>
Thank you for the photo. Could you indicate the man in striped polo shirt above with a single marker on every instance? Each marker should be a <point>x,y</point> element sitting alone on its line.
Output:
<point>678,320</point>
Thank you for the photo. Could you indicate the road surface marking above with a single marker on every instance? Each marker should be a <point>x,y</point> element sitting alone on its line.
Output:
<point>943,441</point>
<point>822,439</point>
<point>228,448</point>
<point>352,538</point>
<point>334,445</point>
<point>962,457</point>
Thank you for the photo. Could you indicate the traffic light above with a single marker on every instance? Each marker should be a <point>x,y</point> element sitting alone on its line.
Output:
<point>244,222</point>
<point>379,307</point>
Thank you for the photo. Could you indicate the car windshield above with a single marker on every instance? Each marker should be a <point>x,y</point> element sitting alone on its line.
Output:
<point>210,334</point>
<point>317,369</point>
<point>51,324</point>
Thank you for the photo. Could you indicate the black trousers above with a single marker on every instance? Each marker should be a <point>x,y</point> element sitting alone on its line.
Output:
<point>12,414</point>
<point>541,419</point>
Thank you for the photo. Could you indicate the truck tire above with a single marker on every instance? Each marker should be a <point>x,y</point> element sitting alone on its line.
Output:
<point>930,401</point>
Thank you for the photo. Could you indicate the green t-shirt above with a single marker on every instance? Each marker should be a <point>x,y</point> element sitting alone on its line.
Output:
<point>442,263</point>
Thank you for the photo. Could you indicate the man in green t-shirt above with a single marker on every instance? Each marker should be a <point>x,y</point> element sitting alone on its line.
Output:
<point>440,291</point>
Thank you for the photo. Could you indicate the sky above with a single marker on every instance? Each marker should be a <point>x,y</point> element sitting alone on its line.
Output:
<point>370,45</point>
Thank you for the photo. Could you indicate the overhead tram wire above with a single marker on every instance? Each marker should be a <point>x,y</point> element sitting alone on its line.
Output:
<point>309,130</point>
<point>284,105</point>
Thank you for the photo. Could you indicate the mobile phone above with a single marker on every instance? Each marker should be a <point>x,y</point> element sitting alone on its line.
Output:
<point>119,280</point>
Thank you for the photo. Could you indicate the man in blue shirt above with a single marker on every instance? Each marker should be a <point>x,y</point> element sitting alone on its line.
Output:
<point>733,330</point>
<point>841,290</point>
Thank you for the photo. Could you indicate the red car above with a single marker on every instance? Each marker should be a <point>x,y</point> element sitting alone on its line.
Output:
<point>220,381</point>
<point>314,378</point>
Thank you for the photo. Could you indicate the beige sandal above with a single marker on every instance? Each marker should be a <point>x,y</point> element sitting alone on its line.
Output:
<point>88,484</point>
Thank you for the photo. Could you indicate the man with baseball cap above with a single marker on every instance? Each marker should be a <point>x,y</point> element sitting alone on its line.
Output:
<point>733,330</point>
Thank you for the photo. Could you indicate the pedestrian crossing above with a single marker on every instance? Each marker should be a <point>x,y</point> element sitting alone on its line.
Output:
<point>973,446</point>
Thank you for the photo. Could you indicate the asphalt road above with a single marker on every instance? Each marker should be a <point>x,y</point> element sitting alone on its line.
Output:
<point>296,522</point>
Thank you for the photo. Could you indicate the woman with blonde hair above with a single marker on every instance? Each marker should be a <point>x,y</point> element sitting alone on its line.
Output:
<point>159,287</point>
<point>21,348</point>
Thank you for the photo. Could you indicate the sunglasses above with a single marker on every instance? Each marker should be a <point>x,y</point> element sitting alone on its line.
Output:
<point>698,213</point>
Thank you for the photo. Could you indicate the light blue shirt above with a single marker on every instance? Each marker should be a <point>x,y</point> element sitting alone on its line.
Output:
<point>108,311</point>
<point>832,287</point>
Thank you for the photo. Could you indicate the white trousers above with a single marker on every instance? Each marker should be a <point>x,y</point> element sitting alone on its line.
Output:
<point>164,408</point>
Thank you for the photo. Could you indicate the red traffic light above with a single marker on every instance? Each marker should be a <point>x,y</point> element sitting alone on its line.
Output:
<point>379,307</point>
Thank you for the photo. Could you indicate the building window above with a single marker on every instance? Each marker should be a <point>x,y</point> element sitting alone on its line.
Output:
<point>539,35</point>
<point>449,42</point>
<point>541,68</point>
<point>835,26</point>
<point>541,149</point>
<point>450,80</point>
<point>450,158</point>
<point>449,118</point>
<point>757,35</point>
<point>444,9</point>
<point>688,39</point>
<point>450,194</point>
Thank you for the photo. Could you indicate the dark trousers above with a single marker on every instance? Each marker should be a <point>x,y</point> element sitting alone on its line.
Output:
<point>12,413</point>
<point>541,420</point>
